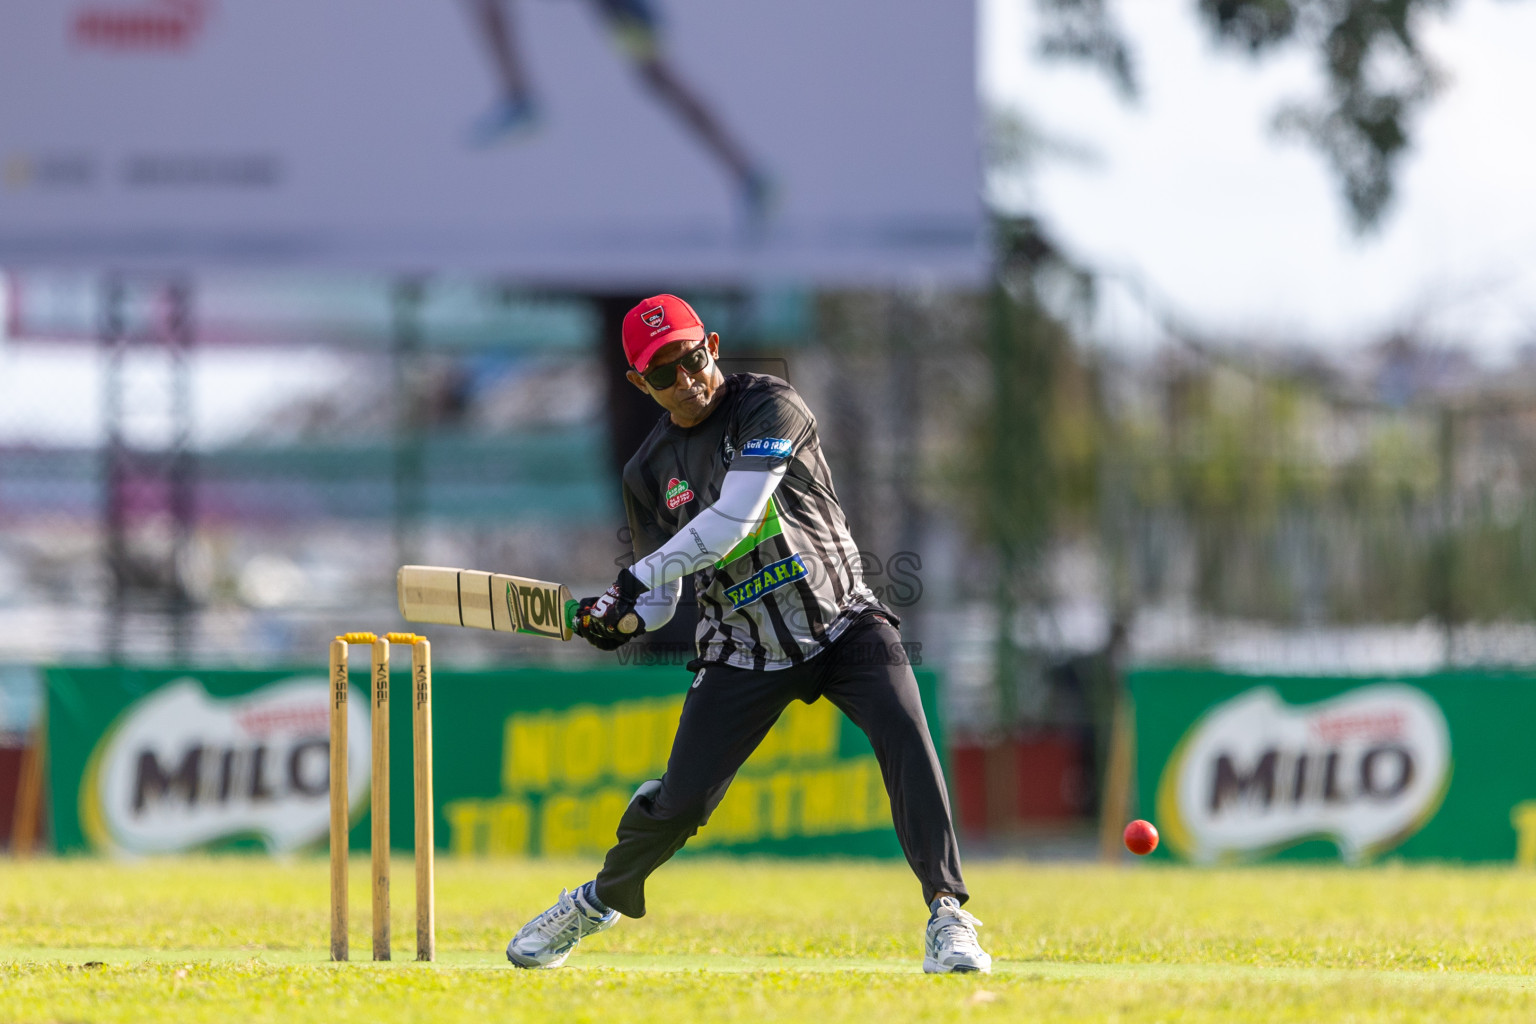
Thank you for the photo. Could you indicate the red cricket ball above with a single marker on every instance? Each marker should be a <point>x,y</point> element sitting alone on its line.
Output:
<point>1140,837</point>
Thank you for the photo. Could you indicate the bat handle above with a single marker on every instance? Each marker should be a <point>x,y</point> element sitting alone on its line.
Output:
<point>628,624</point>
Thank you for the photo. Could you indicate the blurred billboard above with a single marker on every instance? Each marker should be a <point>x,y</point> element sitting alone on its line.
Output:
<point>1239,768</point>
<point>571,143</point>
<point>543,762</point>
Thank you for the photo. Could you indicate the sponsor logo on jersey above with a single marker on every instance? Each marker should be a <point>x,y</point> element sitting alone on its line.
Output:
<point>654,317</point>
<point>768,528</point>
<point>765,582</point>
<point>678,493</point>
<point>775,447</point>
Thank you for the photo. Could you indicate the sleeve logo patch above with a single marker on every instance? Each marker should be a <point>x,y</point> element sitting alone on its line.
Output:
<point>678,493</point>
<point>766,581</point>
<point>775,447</point>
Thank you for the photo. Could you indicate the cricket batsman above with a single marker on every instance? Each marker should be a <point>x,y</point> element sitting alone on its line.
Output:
<point>731,485</point>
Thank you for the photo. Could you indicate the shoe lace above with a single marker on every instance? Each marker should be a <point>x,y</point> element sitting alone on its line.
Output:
<point>956,928</point>
<point>559,919</point>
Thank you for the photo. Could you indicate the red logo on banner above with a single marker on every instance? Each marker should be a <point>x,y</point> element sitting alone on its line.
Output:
<point>153,25</point>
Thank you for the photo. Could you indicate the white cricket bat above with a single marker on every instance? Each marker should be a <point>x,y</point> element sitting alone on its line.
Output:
<point>490,600</point>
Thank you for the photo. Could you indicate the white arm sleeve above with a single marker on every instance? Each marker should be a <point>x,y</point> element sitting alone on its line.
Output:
<point>714,531</point>
<point>656,606</point>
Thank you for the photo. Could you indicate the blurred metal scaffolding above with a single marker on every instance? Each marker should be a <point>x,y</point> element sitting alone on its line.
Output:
<point>454,421</point>
<point>148,508</point>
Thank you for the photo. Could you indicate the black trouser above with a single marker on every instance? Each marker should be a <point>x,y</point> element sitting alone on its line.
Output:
<point>729,711</point>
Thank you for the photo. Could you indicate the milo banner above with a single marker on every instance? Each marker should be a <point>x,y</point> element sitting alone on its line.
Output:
<point>529,762</point>
<point>1235,768</point>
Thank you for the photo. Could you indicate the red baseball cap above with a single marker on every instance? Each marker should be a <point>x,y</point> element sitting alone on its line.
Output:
<point>659,320</point>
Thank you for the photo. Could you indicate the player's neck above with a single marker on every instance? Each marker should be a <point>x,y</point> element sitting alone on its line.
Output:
<point>690,424</point>
<point>704,413</point>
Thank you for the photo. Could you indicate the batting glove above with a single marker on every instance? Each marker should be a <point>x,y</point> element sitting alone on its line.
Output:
<point>610,620</point>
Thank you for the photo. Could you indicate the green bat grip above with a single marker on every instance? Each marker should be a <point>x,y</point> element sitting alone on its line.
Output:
<point>628,624</point>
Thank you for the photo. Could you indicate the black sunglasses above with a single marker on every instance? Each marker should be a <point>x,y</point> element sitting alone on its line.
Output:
<point>664,375</point>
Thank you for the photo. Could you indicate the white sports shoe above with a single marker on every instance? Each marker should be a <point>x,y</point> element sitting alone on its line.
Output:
<point>549,938</point>
<point>951,945</point>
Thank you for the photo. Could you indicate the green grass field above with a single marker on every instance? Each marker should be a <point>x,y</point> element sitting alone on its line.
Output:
<point>245,939</point>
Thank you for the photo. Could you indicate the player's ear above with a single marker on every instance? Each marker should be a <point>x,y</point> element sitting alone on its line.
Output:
<point>713,341</point>
<point>637,381</point>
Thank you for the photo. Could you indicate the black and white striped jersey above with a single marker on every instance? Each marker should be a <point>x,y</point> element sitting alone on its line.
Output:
<point>787,590</point>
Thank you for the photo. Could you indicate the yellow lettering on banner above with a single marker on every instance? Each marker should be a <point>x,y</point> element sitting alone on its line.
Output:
<point>846,796</point>
<point>1523,817</point>
<point>810,730</point>
<point>583,752</point>
<point>770,751</point>
<point>563,826</point>
<point>627,741</point>
<point>464,820</point>
<point>842,797</point>
<point>526,751</point>
<point>510,828</point>
<point>803,733</point>
<point>877,803</point>
<point>852,795</point>
<point>604,809</point>
<point>572,824</point>
<point>480,827</point>
<point>664,727</point>
<point>738,818</point>
<point>582,763</point>
<point>633,739</point>
<point>821,810</point>
<point>781,808</point>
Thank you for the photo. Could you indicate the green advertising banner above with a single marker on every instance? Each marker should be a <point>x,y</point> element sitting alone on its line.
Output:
<point>1237,768</point>
<point>528,762</point>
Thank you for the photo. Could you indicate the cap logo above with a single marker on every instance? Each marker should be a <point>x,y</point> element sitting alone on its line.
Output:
<point>654,317</point>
